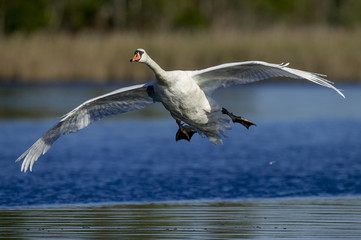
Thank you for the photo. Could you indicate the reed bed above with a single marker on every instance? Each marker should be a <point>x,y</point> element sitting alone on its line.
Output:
<point>95,57</point>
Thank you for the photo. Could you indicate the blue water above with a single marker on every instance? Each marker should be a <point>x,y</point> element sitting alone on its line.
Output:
<point>307,142</point>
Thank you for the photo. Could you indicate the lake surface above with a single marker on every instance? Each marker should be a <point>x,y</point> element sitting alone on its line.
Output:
<point>302,162</point>
<point>306,218</point>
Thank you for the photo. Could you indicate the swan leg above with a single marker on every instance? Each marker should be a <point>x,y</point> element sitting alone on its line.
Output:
<point>245,122</point>
<point>184,132</point>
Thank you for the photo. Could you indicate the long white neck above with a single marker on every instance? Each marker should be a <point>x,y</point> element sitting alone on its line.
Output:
<point>158,71</point>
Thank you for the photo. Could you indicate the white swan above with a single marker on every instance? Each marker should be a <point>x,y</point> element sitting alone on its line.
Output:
<point>187,95</point>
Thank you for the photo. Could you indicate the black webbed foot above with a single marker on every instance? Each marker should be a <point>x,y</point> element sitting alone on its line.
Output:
<point>184,132</point>
<point>245,122</point>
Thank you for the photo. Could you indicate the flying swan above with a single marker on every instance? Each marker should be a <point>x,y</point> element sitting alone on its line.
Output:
<point>187,95</point>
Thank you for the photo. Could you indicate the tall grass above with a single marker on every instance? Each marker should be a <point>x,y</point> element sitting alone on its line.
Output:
<point>45,57</point>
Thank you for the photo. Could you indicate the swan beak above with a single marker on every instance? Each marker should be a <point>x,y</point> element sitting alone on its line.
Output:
<point>136,57</point>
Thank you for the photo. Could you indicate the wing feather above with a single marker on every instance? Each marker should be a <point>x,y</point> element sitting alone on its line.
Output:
<point>116,102</point>
<point>230,74</point>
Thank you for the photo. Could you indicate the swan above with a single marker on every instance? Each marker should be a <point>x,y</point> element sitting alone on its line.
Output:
<point>187,95</point>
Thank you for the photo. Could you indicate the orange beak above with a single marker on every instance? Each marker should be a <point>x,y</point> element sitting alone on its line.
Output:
<point>136,57</point>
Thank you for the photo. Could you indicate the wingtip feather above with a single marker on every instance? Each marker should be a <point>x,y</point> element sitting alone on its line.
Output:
<point>339,91</point>
<point>284,64</point>
<point>31,155</point>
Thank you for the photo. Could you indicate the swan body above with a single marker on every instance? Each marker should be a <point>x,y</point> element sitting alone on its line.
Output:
<point>187,95</point>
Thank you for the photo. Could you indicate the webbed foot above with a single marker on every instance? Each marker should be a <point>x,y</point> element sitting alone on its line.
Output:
<point>245,122</point>
<point>184,132</point>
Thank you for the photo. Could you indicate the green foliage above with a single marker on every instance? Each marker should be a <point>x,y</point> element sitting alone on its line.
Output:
<point>190,18</point>
<point>172,15</point>
<point>24,15</point>
<point>80,14</point>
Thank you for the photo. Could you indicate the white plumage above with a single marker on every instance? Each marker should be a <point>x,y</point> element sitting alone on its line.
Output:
<point>187,95</point>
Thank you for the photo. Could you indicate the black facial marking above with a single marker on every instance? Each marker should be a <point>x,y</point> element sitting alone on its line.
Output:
<point>138,51</point>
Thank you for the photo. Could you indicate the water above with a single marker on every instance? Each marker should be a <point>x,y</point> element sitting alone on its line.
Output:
<point>307,145</point>
<point>336,218</point>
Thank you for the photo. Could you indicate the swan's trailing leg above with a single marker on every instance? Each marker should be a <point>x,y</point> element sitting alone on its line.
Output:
<point>245,122</point>
<point>184,132</point>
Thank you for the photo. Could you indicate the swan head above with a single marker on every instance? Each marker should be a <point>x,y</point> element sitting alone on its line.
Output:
<point>139,56</point>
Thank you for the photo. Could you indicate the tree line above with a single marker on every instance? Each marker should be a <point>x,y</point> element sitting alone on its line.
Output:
<point>28,16</point>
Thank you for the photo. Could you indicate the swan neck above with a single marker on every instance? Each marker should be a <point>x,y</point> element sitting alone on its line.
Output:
<point>155,67</point>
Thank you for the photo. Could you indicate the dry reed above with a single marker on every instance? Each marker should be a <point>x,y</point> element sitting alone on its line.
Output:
<point>45,57</point>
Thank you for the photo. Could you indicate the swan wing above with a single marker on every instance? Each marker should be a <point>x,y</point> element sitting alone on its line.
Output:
<point>116,102</point>
<point>230,74</point>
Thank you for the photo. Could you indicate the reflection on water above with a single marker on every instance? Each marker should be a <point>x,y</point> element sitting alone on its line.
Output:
<point>280,101</point>
<point>269,219</point>
<point>49,101</point>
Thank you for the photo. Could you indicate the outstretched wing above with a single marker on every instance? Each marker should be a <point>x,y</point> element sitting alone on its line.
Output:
<point>230,74</point>
<point>116,102</point>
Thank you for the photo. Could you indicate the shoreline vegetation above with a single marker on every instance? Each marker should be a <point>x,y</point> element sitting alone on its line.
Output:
<point>87,57</point>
